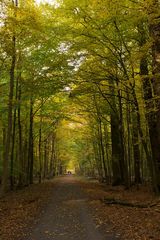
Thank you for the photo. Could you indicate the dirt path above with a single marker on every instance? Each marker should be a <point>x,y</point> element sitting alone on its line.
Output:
<point>67,215</point>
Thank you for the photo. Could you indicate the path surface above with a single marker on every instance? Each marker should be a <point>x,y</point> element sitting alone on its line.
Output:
<point>67,215</point>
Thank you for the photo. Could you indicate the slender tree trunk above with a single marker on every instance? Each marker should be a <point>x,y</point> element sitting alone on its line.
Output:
<point>25,159</point>
<point>5,175</point>
<point>102,148</point>
<point>4,142</point>
<point>12,151</point>
<point>45,160</point>
<point>98,159</point>
<point>117,176</point>
<point>20,155</point>
<point>128,142</point>
<point>123,163</point>
<point>40,151</point>
<point>136,151</point>
<point>109,172</point>
<point>101,154</point>
<point>30,145</point>
<point>52,159</point>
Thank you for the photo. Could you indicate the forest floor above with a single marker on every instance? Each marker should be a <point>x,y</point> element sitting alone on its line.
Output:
<point>74,208</point>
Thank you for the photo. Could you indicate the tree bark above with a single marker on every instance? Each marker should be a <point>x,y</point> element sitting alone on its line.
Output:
<point>102,150</point>
<point>118,164</point>
<point>52,159</point>
<point>12,151</point>
<point>151,88</point>
<point>40,151</point>
<point>5,175</point>
<point>136,151</point>
<point>154,116</point>
<point>30,145</point>
<point>20,155</point>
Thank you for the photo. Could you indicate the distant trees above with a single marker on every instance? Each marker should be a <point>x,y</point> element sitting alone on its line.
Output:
<point>118,44</point>
<point>30,77</point>
<point>108,53</point>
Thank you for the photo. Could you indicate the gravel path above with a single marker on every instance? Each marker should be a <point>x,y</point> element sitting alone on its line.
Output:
<point>67,215</point>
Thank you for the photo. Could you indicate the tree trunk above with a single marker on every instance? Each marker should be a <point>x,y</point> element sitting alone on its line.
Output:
<point>45,160</point>
<point>116,138</point>
<point>12,152</point>
<point>117,174</point>
<point>144,143</point>
<point>52,159</point>
<point>20,155</point>
<point>107,146</point>
<point>30,147</point>
<point>100,133</point>
<point>98,159</point>
<point>136,151</point>
<point>123,163</point>
<point>40,151</point>
<point>154,116</point>
<point>5,175</point>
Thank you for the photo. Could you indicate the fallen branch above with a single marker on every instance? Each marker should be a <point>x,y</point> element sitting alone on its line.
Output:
<point>127,204</point>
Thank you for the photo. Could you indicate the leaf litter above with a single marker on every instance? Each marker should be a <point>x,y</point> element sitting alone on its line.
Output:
<point>18,211</point>
<point>130,223</point>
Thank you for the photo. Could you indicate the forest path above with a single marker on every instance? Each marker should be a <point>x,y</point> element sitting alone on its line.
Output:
<point>67,215</point>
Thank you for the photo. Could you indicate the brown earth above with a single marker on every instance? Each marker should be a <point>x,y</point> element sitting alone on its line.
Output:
<point>132,223</point>
<point>18,209</point>
<point>21,209</point>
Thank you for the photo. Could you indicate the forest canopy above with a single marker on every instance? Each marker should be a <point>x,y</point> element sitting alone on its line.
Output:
<point>80,90</point>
